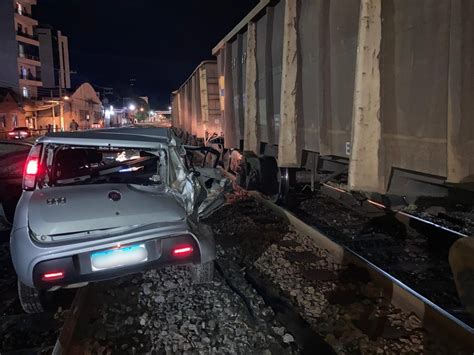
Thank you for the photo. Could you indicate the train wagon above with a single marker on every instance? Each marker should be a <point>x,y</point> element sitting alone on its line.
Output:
<point>196,110</point>
<point>378,91</point>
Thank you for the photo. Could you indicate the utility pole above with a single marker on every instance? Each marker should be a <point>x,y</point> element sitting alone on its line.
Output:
<point>52,111</point>
<point>61,102</point>
<point>54,117</point>
<point>61,113</point>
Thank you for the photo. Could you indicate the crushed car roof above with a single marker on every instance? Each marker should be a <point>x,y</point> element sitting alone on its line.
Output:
<point>124,137</point>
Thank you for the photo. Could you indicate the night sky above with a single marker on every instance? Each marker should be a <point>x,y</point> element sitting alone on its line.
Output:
<point>157,42</point>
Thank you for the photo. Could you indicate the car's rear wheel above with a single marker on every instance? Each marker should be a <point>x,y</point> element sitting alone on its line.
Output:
<point>30,298</point>
<point>202,273</point>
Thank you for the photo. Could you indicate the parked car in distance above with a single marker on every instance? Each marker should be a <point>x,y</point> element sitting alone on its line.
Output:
<point>13,156</point>
<point>105,203</point>
<point>19,133</point>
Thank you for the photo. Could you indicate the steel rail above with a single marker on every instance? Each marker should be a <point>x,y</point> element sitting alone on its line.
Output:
<point>433,317</point>
<point>402,216</point>
<point>67,341</point>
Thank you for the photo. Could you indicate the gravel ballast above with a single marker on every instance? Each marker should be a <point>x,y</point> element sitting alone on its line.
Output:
<point>162,311</point>
<point>274,292</point>
<point>419,261</point>
<point>340,303</point>
<point>21,332</point>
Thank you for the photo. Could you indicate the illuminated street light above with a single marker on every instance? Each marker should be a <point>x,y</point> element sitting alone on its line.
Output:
<point>169,108</point>
<point>131,107</point>
<point>66,97</point>
<point>141,109</point>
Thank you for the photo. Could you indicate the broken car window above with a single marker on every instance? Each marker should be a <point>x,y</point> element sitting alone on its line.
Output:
<point>65,165</point>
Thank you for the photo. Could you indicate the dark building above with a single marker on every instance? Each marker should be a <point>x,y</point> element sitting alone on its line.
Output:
<point>54,55</point>
<point>20,67</point>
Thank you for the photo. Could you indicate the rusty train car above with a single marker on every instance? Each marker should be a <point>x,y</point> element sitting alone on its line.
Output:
<point>195,106</point>
<point>379,90</point>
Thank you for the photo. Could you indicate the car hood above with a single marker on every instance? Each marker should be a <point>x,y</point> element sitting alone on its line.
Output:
<point>80,208</point>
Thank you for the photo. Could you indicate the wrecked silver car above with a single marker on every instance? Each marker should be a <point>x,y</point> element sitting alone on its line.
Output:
<point>101,204</point>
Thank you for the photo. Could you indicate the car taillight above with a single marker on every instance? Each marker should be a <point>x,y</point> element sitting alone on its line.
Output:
<point>182,251</point>
<point>11,133</point>
<point>32,168</point>
<point>51,276</point>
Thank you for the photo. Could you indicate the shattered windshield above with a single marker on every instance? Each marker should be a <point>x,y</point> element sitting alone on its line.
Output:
<point>66,165</point>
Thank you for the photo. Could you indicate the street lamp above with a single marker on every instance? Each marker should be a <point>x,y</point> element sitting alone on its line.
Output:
<point>141,109</point>
<point>131,107</point>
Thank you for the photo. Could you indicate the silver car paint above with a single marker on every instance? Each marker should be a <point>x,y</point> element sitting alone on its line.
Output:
<point>26,253</point>
<point>88,207</point>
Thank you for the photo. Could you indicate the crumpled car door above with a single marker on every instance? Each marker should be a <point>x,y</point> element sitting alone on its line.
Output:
<point>210,179</point>
<point>216,185</point>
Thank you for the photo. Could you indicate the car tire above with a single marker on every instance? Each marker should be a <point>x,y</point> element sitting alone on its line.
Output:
<point>30,299</point>
<point>202,273</point>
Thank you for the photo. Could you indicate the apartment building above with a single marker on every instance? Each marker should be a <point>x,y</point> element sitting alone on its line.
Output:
<point>54,56</point>
<point>20,65</point>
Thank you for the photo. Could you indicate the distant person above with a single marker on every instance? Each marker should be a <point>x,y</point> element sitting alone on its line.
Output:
<point>74,125</point>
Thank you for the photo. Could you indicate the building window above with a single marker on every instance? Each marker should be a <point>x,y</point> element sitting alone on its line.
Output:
<point>21,50</point>
<point>14,121</point>
<point>25,92</point>
<point>23,73</point>
<point>84,115</point>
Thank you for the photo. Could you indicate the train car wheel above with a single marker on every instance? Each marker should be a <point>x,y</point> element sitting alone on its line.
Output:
<point>284,185</point>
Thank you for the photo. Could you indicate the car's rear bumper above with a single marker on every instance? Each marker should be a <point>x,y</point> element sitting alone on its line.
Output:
<point>32,261</point>
<point>77,268</point>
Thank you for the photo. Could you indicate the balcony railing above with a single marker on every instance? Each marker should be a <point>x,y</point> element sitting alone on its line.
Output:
<point>30,76</point>
<point>28,56</point>
<point>22,12</point>
<point>27,35</point>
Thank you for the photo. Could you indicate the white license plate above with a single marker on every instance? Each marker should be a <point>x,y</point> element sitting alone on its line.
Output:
<point>124,256</point>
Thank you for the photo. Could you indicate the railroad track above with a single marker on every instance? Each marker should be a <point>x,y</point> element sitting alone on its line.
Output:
<point>449,315</point>
<point>433,318</point>
<point>411,249</point>
<point>79,313</point>
<point>368,206</point>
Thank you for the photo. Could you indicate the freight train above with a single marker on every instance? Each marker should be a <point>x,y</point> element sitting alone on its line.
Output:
<point>377,93</point>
